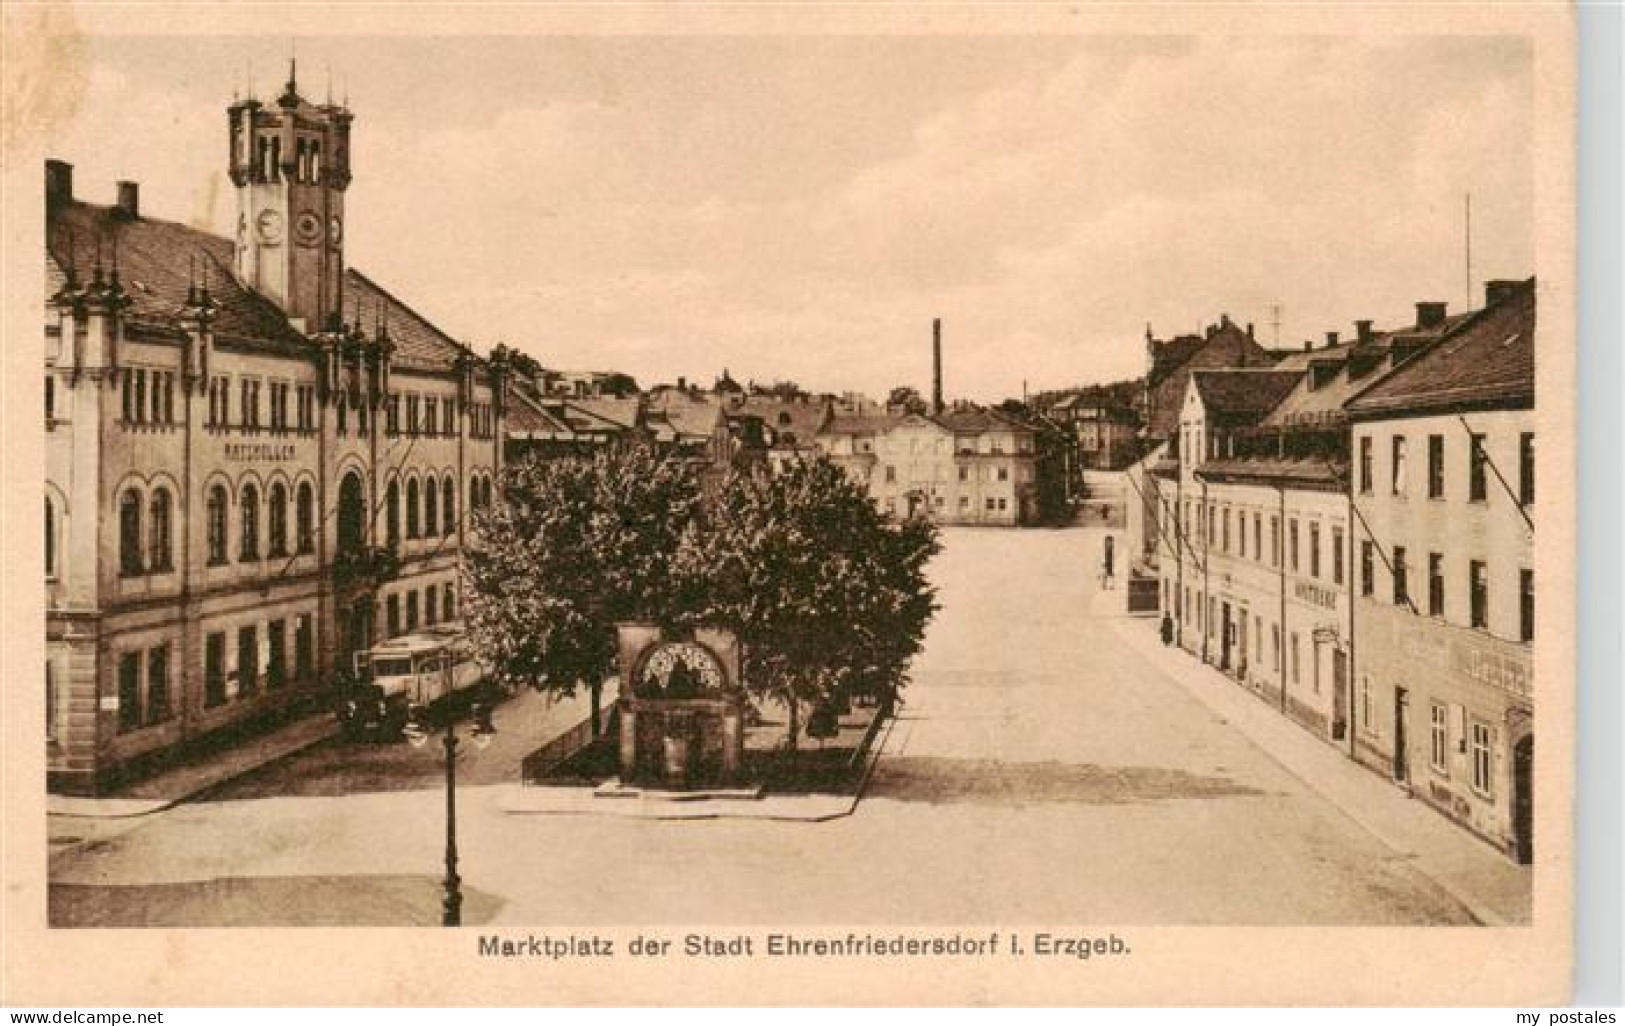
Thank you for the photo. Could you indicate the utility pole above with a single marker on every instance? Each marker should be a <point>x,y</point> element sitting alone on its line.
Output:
<point>1468,226</point>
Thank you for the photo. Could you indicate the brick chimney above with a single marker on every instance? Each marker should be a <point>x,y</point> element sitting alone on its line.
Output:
<point>129,200</point>
<point>1430,315</point>
<point>1362,330</point>
<point>1331,339</point>
<point>58,183</point>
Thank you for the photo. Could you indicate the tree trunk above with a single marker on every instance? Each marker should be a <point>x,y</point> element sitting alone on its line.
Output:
<point>597,687</point>
<point>794,709</point>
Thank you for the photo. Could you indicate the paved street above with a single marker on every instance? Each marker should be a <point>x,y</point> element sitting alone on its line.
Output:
<point>1042,771</point>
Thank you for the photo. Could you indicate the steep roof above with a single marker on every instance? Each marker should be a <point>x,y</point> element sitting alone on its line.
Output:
<point>621,413</point>
<point>419,345</point>
<point>1490,361</point>
<point>155,259</point>
<point>159,261</point>
<point>977,419</point>
<point>1243,393</point>
<point>800,419</point>
<point>860,423</point>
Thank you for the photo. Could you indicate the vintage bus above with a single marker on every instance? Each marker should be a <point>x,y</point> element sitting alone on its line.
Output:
<point>426,675</point>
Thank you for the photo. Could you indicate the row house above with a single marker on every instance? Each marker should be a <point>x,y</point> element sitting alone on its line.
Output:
<point>1349,535</point>
<point>1444,475</point>
<point>243,486</point>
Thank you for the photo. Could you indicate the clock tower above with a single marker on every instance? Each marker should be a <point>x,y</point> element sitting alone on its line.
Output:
<point>290,162</point>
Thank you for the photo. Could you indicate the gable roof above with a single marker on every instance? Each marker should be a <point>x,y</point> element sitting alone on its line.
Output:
<point>978,419</point>
<point>155,259</point>
<point>1243,393</point>
<point>781,416</point>
<point>860,423</point>
<point>1490,361</point>
<point>419,345</point>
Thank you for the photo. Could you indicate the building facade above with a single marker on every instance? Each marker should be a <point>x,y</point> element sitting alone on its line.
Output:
<point>1444,474</point>
<point>244,485</point>
<point>963,466</point>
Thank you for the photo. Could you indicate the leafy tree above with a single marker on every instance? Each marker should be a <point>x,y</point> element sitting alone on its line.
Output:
<point>619,385</point>
<point>578,544</point>
<point>829,598</point>
<point>906,398</point>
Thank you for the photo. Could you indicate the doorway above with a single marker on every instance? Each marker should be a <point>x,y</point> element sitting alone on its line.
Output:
<point>1340,693</point>
<point>1523,799</point>
<point>1402,708</point>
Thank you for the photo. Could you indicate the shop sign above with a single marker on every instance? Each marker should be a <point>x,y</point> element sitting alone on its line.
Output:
<point>259,452</point>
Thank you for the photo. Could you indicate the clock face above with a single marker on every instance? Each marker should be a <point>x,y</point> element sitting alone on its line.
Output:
<point>335,231</point>
<point>269,224</point>
<point>680,668</point>
<point>308,227</point>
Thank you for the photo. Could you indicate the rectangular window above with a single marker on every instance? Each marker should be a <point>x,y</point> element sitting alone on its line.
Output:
<point>1297,666</point>
<point>1241,534</point>
<point>990,505</point>
<point>1435,584</point>
<point>411,611</point>
<point>140,395</point>
<point>248,661</point>
<point>1292,543</point>
<point>1226,543</point>
<point>448,602</point>
<point>1526,605</point>
<point>158,684</point>
<point>1314,549</point>
<point>276,663</point>
<point>891,475</point>
<point>1478,577</point>
<point>50,398</point>
<point>243,411</point>
<point>214,669</point>
<point>1439,739</point>
<point>1368,570</point>
<point>1337,555</point>
<point>1398,482</point>
<point>1402,590</point>
<point>1275,646</point>
<point>1258,537</point>
<point>1526,468</point>
<point>1435,466</point>
<point>1365,465</point>
<point>1483,775</point>
<point>431,608</point>
<point>1475,469</point>
<point>964,473</point>
<point>1004,473</point>
<point>392,614</point>
<point>129,691</point>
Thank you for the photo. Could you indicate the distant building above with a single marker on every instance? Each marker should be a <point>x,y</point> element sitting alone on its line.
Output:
<point>1171,362</point>
<point>967,465</point>
<point>1444,475</point>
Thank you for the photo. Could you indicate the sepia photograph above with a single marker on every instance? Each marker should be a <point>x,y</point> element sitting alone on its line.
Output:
<point>720,490</point>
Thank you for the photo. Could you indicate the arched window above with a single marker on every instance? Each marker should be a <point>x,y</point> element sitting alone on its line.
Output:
<point>431,509</point>
<point>352,513</point>
<point>306,520</point>
<point>129,533</point>
<point>158,546</point>
<point>448,506</point>
<point>279,520</point>
<point>249,514</point>
<point>50,538</point>
<point>217,525</point>
<point>412,519</point>
<point>392,514</point>
<point>449,603</point>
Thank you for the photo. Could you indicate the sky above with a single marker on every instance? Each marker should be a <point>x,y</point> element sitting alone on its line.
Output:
<point>802,207</point>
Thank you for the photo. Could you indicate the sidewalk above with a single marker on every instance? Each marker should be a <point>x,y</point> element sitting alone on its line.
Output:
<point>192,777</point>
<point>1493,888</point>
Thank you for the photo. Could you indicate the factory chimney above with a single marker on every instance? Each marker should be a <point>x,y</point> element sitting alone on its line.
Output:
<point>936,365</point>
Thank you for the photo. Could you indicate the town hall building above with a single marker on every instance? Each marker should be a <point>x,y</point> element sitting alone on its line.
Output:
<point>258,461</point>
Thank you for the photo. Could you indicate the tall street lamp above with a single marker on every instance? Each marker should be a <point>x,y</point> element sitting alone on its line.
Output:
<point>418,734</point>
